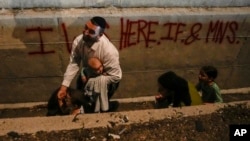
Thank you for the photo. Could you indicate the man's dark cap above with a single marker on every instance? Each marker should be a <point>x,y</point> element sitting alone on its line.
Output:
<point>99,21</point>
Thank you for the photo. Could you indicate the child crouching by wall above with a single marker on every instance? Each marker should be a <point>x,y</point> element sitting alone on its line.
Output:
<point>210,91</point>
<point>175,91</point>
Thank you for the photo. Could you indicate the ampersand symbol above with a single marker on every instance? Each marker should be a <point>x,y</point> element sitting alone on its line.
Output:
<point>194,34</point>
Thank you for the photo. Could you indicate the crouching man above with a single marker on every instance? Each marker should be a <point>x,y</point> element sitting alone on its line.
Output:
<point>93,43</point>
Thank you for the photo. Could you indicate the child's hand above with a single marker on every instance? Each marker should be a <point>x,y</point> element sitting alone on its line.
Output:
<point>159,97</point>
<point>76,111</point>
<point>84,79</point>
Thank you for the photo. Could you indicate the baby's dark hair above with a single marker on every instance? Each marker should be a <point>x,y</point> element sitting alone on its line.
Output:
<point>211,71</point>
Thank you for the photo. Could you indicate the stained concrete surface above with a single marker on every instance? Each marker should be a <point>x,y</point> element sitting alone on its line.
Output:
<point>85,121</point>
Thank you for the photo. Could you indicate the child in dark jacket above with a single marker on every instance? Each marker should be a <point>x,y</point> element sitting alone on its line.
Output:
<point>176,91</point>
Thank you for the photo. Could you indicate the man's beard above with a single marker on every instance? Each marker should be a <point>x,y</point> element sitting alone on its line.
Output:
<point>89,41</point>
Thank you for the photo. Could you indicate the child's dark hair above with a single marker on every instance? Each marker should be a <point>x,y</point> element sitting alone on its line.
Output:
<point>211,71</point>
<point>173,82</point>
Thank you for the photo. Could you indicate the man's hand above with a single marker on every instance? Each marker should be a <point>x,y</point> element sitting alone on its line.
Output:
<point>62,92</point>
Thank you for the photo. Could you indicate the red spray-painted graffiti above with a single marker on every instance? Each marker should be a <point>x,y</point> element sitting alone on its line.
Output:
<point>144,29</point>
<point>39,29</point>
<point>194,34</point>
<point>134,32</point>
<point>66,37</point>
<point>217,31</point>
<point>170,28</point>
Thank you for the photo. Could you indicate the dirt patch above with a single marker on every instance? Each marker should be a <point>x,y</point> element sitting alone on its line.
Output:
<point>212,127</point>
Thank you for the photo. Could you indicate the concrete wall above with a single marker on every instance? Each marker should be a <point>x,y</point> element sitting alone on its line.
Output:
<point>35,46</point>
<point>22,4</point>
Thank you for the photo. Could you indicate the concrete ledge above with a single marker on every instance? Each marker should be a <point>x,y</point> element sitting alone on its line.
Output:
<point>21,4</point>
<point>35,124</point>
<point>122,100</point>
